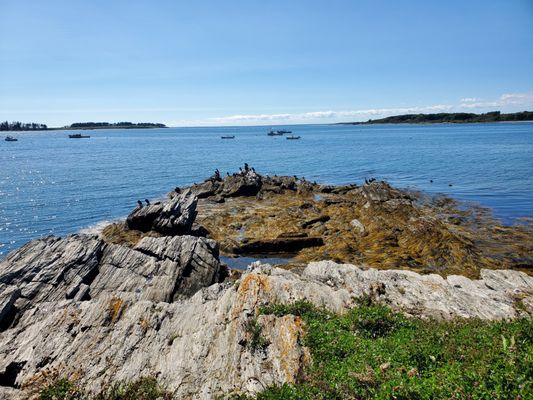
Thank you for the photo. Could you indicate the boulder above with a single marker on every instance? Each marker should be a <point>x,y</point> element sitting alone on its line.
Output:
<point>205,189</point>
<point>142,218</point>
<point>177,215</point>
<point>357,225</point>
<point>244,184</point>
<point>172,217</point>
<point>380,191</point>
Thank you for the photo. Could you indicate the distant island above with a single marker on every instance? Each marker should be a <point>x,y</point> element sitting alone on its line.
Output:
<point>456,118</point>
<point>20,126</point>
<point>116,125</point>
<point>32,126</point>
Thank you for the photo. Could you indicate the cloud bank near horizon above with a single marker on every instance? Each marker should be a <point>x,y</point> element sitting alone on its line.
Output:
<point>468,104</point>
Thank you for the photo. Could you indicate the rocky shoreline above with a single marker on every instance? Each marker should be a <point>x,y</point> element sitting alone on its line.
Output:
<point>150,296</point>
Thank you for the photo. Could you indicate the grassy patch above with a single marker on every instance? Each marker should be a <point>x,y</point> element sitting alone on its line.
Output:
<point>61,389</point>
<point>373,353</point>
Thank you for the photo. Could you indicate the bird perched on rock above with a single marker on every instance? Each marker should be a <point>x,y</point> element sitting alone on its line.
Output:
<point>147,202</point>
<point>140,203</point>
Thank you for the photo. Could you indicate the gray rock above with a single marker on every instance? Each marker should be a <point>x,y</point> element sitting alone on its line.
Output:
<point>142,218</point>
<point>380,191</point>
<point>245,184</point>
<point>357,225</point>
<point>197,346</point>
<point>51,269</point>
<point>205,189</point>
<point>172,217</point>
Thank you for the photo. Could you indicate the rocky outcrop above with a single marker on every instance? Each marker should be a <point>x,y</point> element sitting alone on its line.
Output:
<point>102,311</point>
<point>173,217</point>
<point>82,268</point>
<point>200,347</point>
<point>246,183</point>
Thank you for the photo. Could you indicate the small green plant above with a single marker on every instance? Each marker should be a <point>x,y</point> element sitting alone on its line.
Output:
<point>145,388</point>
<point>61,389</point>
<point>256,341</point>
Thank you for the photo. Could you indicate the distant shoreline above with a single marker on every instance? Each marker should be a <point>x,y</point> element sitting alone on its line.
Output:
<point>18,126</point>
<point>448,118</point>
<point>67,128</point>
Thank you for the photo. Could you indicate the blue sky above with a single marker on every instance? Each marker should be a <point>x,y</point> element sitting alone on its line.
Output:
<point>261,62</point>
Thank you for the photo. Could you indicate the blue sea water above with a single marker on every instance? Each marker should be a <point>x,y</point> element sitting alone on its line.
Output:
<point>50,184</point>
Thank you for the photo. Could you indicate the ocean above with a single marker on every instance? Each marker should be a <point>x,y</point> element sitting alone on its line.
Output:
<point>50,184</point>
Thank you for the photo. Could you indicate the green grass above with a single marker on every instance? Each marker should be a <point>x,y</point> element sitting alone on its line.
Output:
<point>373,353</point>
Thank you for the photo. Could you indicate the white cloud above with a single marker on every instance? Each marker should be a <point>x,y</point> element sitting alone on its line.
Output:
<point>507,99</point>
<point>320,115</point>
<point>516,98</point>
<point>465,104</point>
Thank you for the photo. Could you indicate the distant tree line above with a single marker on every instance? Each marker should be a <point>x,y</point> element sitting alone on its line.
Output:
<point>20,126</point>
<point>96,125</point>
<point>493,116</point>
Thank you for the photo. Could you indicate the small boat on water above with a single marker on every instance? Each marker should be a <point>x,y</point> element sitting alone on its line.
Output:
<point>277,133</point>
<point>293,137</point>
<point>11,139</point>
<point>78,136</point>
<point>228,137</point>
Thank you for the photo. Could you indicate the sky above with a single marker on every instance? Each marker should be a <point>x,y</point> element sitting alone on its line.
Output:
<point>196,63</point>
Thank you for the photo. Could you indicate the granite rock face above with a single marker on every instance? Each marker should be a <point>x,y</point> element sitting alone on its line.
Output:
<point>139,321</point>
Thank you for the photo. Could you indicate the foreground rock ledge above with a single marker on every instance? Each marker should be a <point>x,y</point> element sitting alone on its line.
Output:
<point>197,346</point>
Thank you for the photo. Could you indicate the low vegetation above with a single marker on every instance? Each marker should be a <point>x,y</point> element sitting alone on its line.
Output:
<point>256,342</point>
<point>374,353</point>
<point>146,388</point>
